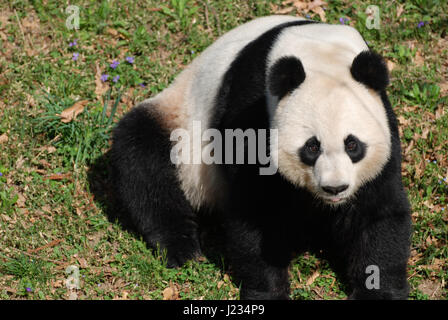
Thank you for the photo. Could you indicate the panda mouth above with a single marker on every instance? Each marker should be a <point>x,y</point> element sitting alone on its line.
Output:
<point>335,200</point>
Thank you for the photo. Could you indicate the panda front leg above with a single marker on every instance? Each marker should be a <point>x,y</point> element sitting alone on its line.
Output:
<point>257,262</point>
<point>147,187</point>
<point>377,260</point>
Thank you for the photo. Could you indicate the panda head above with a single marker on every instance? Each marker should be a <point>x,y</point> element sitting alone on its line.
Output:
<point>333,133</point>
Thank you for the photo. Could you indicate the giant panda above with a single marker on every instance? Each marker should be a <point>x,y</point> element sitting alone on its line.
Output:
<point>319,93</point>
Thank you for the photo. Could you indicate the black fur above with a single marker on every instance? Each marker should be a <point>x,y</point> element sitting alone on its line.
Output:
<point>147,187</point>
<point>370,69</point>
<point>285,75</point>
<point>266,220</point>
<point>359,152</point>
<point>310,151</point>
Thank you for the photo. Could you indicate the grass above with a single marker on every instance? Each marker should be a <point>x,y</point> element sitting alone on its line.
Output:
<point>49,219</point>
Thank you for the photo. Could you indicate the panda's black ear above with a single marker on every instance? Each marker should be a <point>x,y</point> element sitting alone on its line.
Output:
<point>370,69</point>
<point>285,75</point>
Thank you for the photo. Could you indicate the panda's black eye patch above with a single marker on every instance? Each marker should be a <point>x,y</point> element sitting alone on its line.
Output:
<point>355,149</point>
<point>310,151</point>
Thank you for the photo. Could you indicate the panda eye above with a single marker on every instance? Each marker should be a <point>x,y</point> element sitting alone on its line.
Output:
<point>355,148</point>
<point>351,145</point>
<point>313,148</point>
<point>310,151</point>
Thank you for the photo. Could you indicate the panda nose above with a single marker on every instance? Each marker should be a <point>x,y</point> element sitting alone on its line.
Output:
<point>335,190</point>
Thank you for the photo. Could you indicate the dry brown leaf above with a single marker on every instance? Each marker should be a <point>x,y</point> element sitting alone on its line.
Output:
<point>439,112</point>
<point>45,163</point>
<point>400,10</point>
<point>71,113</point>
<point>312,278</point>
<point>430,288</point>
<point>284,10</point>
<point>409,147</point>
<point>21,201</point>
<point>444,88</point>
<point>445,216</point>
<point>300,5</point>
<point>40,171</point>
<point>425,133</point>
<point>58,176</point>
<point>73,295</point>
<point>418,59</point>
<point>321,13</point>
<point>431,241</point>
<point>82,262</point>
<point>29,98</point>
<point>49,149</point>
<point>170,293</point>
<point>100,86</point>
<point>390,65</point>
<point>3,138</point>
<point>112,32</point>
<point>316,3</point>
<point>48,245</point>
<point>402,120</point>
<point>3,36</point>
<point>415,257</point>
<point>19,163</point>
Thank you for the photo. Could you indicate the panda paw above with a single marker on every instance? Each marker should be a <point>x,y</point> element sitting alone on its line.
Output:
<point>181,251</point>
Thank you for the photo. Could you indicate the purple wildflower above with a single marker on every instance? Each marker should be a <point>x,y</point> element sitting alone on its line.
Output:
<point>142,85</point>
<point>114,64</point>
<point>130,60</point>
<point>104,77</point>
<point>343,20</point>
<point>74,43</point>
<point>1,174</point>
<point>115,79</point>
<point>75,56</point>
<point>28,289</point>
<point>420,24</point>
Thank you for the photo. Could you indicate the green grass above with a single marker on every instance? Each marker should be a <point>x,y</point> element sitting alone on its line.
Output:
<point>49,219</point>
